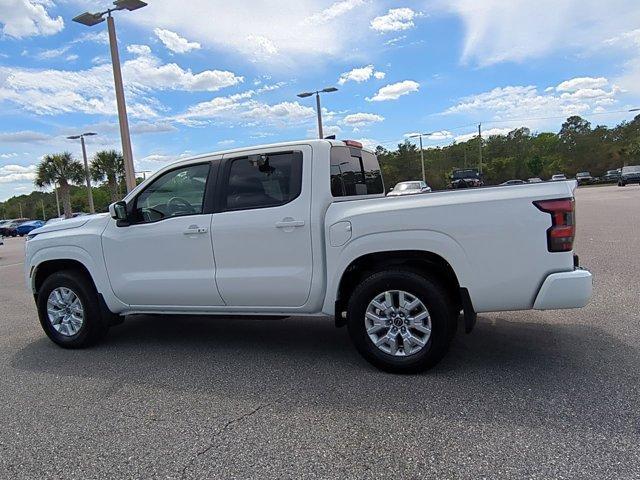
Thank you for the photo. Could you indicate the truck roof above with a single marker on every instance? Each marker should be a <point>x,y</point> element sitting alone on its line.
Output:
<point>307,141</point>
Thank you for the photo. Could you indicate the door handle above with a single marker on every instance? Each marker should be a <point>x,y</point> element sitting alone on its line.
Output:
<point>195,229</point>
<point>290,223</point>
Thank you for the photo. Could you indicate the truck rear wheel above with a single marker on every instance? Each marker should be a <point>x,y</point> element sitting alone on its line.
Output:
<point>401,321</point>
<point>68,310</point>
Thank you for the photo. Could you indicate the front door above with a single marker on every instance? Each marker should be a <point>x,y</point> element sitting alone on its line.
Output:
<point>164,256</point>
<point>262,233</point>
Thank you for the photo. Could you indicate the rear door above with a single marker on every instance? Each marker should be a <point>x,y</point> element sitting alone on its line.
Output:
<point>261,232</point>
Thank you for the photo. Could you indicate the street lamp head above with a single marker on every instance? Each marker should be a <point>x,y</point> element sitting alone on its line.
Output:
<point>89,19</point>
<point>74,137</point>
<point>89,134</point>
<point>635,110</point>
<point>305,94</point>
<point>330,89</point>
<point>129,4</point>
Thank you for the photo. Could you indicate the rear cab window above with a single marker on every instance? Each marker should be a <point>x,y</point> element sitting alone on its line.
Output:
<point>355,172</point>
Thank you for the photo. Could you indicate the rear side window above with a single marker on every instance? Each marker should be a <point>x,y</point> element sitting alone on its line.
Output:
<point>354,172</point>
<point>260,181</point>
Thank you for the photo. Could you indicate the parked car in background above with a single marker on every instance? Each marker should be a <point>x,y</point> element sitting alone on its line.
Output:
<point>558,177</point>
<point>466,178</point>
<point>534,180</point>
<point>396,273</point>
<point>584,178</point>
<point>10,229</point>
<point>612,176</point>
<point>409,188</point>
<point>629,174</point>
<point>26,227</point>
<point>513,182</point>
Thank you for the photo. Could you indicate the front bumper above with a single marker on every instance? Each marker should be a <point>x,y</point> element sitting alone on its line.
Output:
<point>565,290</point>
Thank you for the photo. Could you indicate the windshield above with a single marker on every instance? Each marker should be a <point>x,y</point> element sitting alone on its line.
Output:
<point>631,169</point>
<point>408,186</point>
<point>583,174</point>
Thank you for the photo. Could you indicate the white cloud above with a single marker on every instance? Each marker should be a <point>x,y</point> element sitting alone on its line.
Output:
<point>25,18</point>
<point>285,27</point>
<point>8,155</point>
<point>368,143</point>
<point>395,91</point>
<point>17,173</point>
<point>579,83</point>
<point>395,19</point>
<point>139,49</point>
<point>497,31</point>
<point>629,41</point>
<point>485,134</point>
<point>91,91</point>
<point>361,119</point>
<point>359,75</point>
<point>175,42</point>
<point>335,10</point>
<point>242,108</point>
<point>263,46</point>
<point>327,131</point>
<point>23,136</point>
<point>53,53</point>
<point>527,102</point>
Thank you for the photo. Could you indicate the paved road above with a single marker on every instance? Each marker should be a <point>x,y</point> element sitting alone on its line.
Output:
<point>527,395</point>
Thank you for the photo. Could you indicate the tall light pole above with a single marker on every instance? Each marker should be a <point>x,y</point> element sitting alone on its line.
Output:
<point>87,174</point>
<point>91,19</point>
<point>317,94</point>
<point>420,135</point>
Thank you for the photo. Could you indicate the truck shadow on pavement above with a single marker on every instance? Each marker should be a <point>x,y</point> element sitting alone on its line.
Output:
<point>503,365</point>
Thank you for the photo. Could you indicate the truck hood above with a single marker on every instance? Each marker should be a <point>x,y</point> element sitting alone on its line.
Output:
<point>68,224</point>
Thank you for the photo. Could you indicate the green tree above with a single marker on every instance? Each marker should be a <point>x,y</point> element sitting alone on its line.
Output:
<point>61,169</point>
<point>535,165</point>
<point>109,165</point>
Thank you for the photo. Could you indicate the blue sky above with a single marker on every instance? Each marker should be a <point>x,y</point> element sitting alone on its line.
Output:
<point>209,75</point>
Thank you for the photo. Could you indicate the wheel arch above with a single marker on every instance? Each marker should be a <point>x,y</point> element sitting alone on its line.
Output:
<point>421,261</point>
<point>45,261</point>
<point>48,267</point>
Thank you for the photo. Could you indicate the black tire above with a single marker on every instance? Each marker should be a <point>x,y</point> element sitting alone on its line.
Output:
<point>437,301</point>
<point>620,184</point>
<point>94,326</point>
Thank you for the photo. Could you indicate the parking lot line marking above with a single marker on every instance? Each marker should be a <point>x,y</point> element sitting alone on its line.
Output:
<point>11,265</point>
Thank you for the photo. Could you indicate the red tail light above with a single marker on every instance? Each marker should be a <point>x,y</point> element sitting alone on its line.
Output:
<point>563,229</point>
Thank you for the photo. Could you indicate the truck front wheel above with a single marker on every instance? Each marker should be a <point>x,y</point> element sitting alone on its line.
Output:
<point>68,310</point>
<point>401,321</point>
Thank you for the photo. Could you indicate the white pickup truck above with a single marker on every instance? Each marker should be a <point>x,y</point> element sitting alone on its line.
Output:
<point>304,229</point>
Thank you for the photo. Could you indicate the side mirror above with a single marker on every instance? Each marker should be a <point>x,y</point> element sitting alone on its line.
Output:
<point>118,210</point>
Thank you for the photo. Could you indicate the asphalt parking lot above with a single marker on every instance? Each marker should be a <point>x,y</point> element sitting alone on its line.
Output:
<point>526,395</point>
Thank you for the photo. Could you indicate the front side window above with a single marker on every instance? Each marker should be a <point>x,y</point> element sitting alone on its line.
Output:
<point>260,181</point>
<point>176,193</point>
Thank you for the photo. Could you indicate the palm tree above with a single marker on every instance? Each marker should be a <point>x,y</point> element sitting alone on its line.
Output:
<point>108,164</point>
<point>60,168</point>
